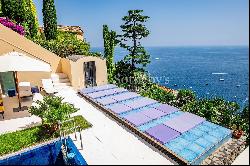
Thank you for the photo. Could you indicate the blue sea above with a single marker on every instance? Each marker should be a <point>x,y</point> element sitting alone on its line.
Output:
<point>221,71</point>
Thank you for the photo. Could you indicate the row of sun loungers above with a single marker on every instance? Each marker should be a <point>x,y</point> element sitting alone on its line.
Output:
<point>189,137</point>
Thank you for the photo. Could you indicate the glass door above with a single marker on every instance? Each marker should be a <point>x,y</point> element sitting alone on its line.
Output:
<point>90,73</point>
<point>7,81</point>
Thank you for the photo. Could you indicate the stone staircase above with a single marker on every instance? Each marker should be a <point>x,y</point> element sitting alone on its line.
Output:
<point>61,81</point>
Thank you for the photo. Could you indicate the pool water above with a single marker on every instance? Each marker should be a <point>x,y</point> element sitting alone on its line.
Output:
<point>158,121</point>
<point>48,154</point>
<point>187,136</point>
<point>195,145</point>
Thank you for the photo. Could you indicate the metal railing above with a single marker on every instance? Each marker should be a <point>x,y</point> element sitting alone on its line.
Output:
<point>63,132</point>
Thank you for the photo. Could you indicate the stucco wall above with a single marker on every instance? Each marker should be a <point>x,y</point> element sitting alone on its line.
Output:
<point>12,41</point>
<point>76,74</point>
<point>35,78</point>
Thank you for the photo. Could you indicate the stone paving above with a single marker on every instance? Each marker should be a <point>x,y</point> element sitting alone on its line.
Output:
<point>227,153</point>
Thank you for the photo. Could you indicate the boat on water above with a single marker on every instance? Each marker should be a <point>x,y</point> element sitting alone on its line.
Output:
<point>157,58</point>
<point>219,73</point>
<point>221,79</point>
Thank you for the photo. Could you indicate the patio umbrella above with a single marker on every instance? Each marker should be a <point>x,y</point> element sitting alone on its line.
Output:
<point>19,62</point>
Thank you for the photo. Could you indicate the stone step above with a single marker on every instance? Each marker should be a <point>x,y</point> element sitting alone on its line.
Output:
<point>62,84</point>
<point>63,80</point>
<point>58,76</point>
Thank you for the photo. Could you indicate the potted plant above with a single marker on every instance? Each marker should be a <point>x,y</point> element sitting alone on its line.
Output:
<point>52,110</point>
<point>237,132</point>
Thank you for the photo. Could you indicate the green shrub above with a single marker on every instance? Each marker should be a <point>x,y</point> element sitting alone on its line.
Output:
<point>80,121</point>
<point>124,75</point>
<point>22,12</point>
<point>215,110</point>
<point>51,110</point>
<point>244,119</point>
<point>183,97</point>
<point>159,94</point>
<point>109,38</point>
<point>1,13</point>
<point>64,45</point>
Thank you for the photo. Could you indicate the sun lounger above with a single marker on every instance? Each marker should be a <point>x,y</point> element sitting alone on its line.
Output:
<point>48,86</point>
<point>24,89</point>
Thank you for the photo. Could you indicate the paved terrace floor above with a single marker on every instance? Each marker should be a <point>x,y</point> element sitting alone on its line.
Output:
<point>104,143</point>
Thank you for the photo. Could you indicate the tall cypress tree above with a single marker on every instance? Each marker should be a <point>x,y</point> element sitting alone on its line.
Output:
<point>49,19</point>
<point>32,21</point>
<point>109,38</point>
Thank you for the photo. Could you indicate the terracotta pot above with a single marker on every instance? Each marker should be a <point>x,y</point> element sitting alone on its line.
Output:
<point>237,133</point>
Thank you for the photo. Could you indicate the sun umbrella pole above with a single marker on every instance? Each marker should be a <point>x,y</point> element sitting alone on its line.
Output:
<point>17,88</point>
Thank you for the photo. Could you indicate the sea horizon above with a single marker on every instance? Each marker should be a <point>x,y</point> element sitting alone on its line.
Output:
<point>117,47</point>
<point>210,71</point>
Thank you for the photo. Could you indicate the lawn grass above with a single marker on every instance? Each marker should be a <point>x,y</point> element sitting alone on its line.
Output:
<point>15,141</point>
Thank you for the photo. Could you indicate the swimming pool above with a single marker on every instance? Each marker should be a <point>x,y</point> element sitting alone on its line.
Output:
<point>185,137</point>
<point>46,154</point>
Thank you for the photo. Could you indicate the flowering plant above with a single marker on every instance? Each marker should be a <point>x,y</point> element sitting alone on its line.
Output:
<point>15,27</point>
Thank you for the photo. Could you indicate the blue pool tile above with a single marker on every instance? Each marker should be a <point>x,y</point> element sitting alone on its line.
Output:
<point>189,136</point>
<point>196,131</point>
<point>188,155</point>
<point>224,130</point>
<point>181,141</point>
<point>175,146</point>
<point>196,148</point>
<point>204,143</point>
<point>211,139</point>
<point>211,125</point>
<point>173,149</point>
<point>217,134</point>
<point>204,128</point>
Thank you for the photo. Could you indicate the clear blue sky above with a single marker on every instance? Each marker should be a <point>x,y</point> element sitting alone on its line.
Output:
<point>172,22</point>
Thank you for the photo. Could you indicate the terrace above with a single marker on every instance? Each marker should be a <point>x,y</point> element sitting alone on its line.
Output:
<point>128,144</point>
